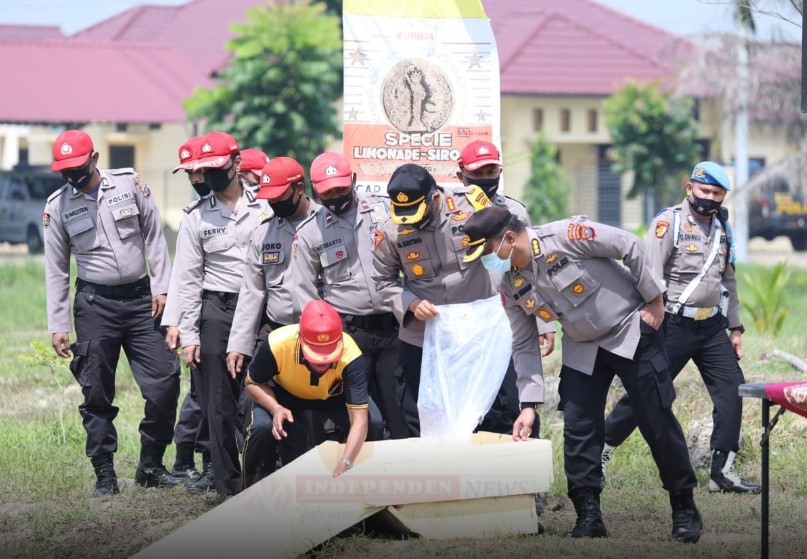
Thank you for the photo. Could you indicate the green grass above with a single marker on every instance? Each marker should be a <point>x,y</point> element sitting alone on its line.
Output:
<point>46,479</point>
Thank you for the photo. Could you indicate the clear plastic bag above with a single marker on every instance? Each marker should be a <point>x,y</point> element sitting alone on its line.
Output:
<point>465,355</point>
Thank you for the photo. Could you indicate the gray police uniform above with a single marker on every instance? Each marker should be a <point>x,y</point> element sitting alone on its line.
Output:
<point>191,427</point>
<point>212,245</point>
<point>267,281</point>
<point>430,260</point>
<point>575,279</point>
<point>111,234</point>
<point>338,254</point>
<point>695,329</point>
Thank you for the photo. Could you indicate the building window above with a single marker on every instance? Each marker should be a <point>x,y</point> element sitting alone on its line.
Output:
<point>592,120</point>
<point>121,127</point>
<point>696,109</point>
<point>537,119</point>
<point>565,120</point>
<point>121,156</point>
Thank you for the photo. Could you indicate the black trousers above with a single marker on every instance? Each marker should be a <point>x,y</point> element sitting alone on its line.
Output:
<point>647,380</point>
<point>191,428</point>
<point>104,326</point>
<point>380,349</point>
<point>261,447</point>
<point>708,345</point>
<point>221,393</point>
<point>499,418</point>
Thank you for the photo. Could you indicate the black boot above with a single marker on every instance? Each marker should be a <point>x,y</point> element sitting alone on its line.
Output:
<point>184,467</point>
<point>589,520</point>
<point>687,521</point>
<point>106,481</point>
<point>151,472</point>
<point>205,482</point>
<point>724,478</point>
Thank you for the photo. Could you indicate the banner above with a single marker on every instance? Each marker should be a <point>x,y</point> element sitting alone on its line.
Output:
<point>421,82</point>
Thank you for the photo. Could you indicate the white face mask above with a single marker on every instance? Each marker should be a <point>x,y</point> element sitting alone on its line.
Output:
<point>493,263</point>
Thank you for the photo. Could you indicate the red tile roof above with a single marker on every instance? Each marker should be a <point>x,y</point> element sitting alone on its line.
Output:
<point>574,47</point>
<point>73,81</point>
<point>197,30</point>
<point>29,32</point>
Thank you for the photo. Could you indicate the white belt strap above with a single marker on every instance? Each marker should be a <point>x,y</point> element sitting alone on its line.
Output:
<point>697,280</point>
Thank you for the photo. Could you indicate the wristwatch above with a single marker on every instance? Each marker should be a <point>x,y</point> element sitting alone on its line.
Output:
<point>348,464</point>
<point>741,328</point>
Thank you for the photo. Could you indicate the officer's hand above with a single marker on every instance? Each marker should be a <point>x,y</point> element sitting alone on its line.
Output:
<point>340,469</point>
<point>736,338</point>
<point>192,355</point>
<point>157,306</point>
<point>653,313</point>
<point>280,415</point>
<point>61,344</point>
<point>423,309</point>
<point>235,362</point>
<point>522,428</point>
<point>172,338</point>
<point>547,342</point>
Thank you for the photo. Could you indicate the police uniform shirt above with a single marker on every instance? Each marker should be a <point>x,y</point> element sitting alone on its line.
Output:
<point>575,278</point>
<point>267,278</point>
<point>173,308</point>
<point>212,244</point>
<point>682,264</point>
<point>430,260</point>
<point>111,235</point>
<point>513,206</point>
<point>340,254</point>
<point>280,360</point>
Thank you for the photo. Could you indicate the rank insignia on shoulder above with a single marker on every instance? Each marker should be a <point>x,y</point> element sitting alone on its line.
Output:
<point>450,204</point>
<point>661,228</point>
<point>262,215</point>
<point>536,247</point>
<point>45,219</point>
<point>192,205</point>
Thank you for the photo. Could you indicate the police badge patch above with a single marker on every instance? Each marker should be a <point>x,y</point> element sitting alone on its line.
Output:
<point>45,219</point>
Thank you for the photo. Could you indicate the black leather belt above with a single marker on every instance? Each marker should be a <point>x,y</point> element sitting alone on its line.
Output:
<point>137,290</point>
<point>229,299</point>
<point>371,321</point>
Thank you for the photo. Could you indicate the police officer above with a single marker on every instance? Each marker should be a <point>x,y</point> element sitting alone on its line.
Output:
<point>568,271</point>
<point>252,162</point>
<point>335,248</point>
<point>212,243</point>
<point>689,243</point>
<point>266,285</point>
<point>312,365</point>
<point>190,431</point>
<point>107,219</point>
<point>480,164</point>
<point>417,260</point>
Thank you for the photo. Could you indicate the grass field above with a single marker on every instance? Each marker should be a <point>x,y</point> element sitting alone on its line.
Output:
<point>46,479</point>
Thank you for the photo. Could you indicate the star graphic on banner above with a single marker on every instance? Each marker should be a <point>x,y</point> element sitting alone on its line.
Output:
<point>352,114</point>
<point>358,56</point>
<point>482,115</point>
<point>474,59</point>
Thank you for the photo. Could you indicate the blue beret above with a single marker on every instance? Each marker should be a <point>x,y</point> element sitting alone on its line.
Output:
<point>708,172</point>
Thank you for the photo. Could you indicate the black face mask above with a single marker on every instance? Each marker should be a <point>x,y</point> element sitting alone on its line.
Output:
<point>340,204</point>
<point>248,184</point>
<point>488,186</point>
<point>219,179</point>
<point>286,208</point>
<point>201,188</point>
<point>79,178</point>
<point>704,207</point>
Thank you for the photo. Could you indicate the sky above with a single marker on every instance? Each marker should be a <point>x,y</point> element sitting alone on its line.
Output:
<point>683,17</point>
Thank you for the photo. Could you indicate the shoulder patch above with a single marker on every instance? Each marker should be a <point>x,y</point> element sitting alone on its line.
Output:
<point>578,232</point>
<point>193,205</point>
<point>58,193</point>
<point>661,228</point>
<point>141,184</point>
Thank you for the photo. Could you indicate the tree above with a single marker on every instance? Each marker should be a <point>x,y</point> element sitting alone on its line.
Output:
<point>546,192</point>
<point>279,89</point>
<point>653,135</point>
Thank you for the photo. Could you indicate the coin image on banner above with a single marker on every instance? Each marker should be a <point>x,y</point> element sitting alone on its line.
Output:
<point>417,97</point>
